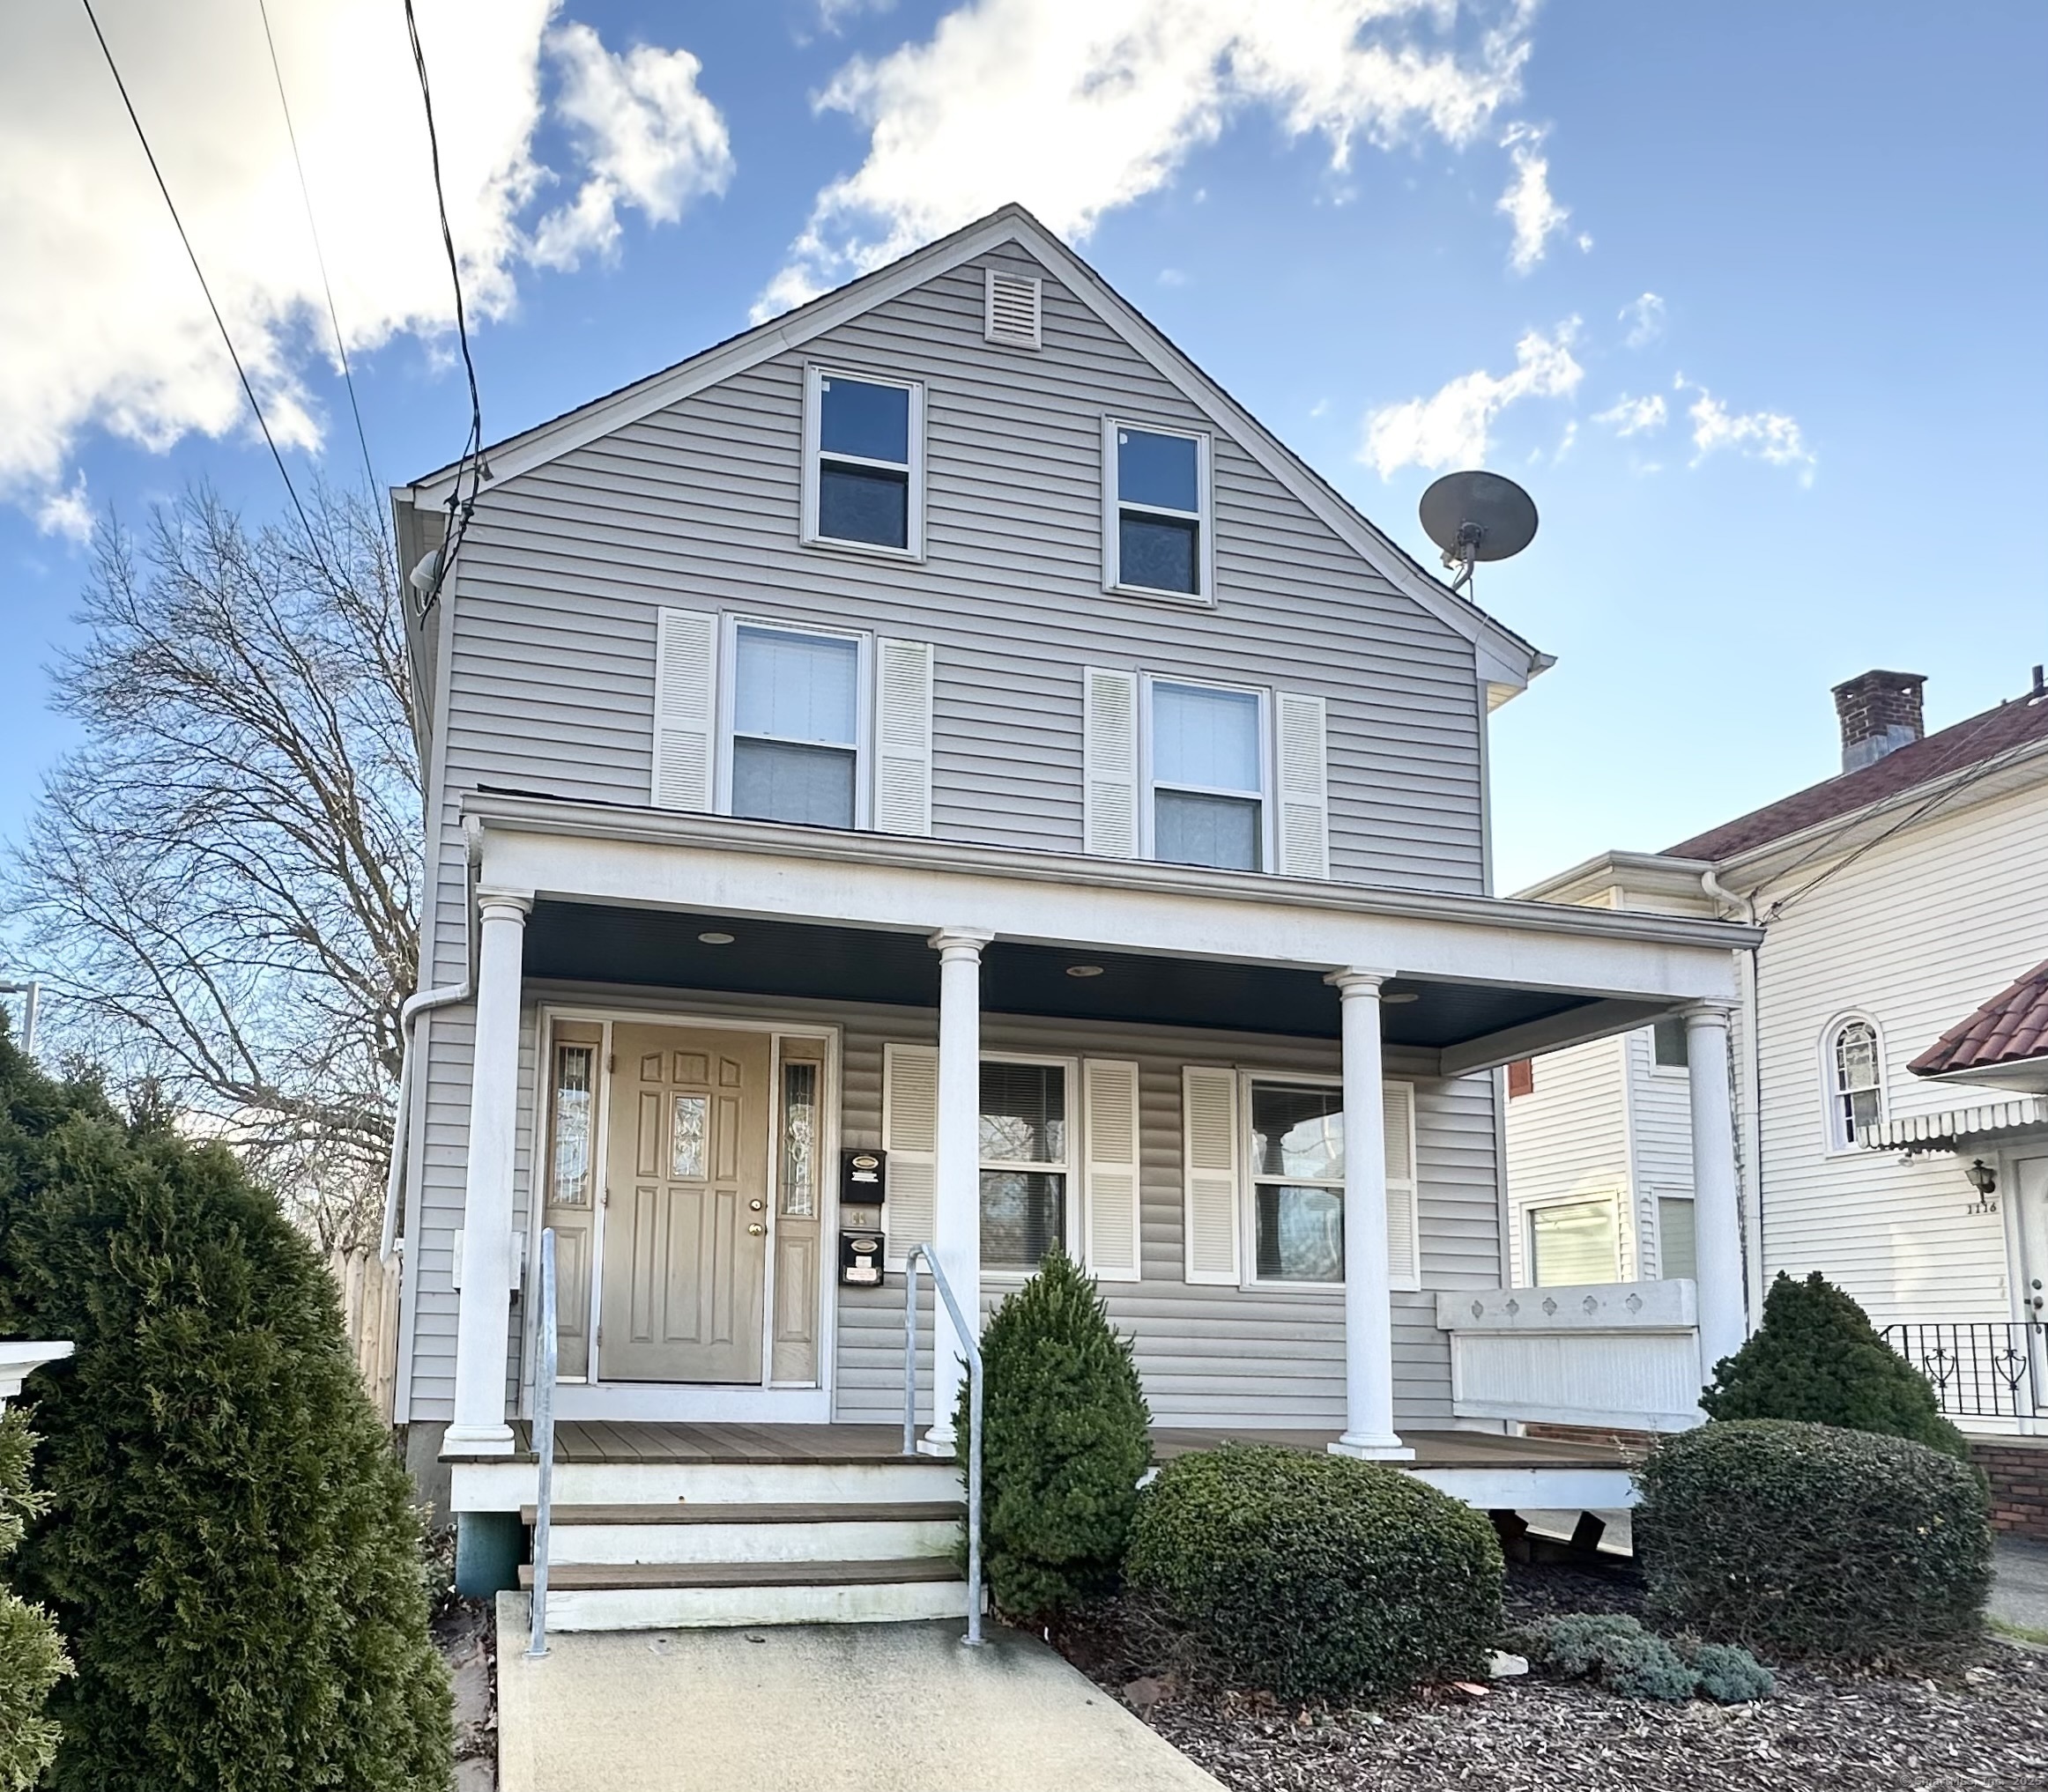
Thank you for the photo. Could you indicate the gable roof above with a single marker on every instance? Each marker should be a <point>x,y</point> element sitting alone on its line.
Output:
<point>1505,658</point>
<point>2008,1029</point>
<point>1954,751</point>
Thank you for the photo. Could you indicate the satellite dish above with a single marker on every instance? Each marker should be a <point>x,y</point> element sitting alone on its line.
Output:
<point>1477,517</point>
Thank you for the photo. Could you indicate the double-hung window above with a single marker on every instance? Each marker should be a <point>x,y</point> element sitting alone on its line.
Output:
<point>1209,767</point>
<point>1026,1161</point>
<point>796,725</point>
<point>1856,1083</point>
<point>1668,1048</point>
<point>1297,1181</point>
<point>863,463</point>
<point>1156,516</point>
<point>1571,1242</point>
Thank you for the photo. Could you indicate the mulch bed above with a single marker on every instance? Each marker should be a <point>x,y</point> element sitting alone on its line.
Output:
<point>1984,1728</point>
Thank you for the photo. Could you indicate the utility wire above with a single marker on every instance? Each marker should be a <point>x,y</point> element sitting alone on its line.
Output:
<point>458,510</point>
<point>248,391</point>
<point>319,255</point>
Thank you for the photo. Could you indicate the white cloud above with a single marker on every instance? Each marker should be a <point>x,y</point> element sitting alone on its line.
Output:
<point>1451,427</point>
<point>65,511</point>
<point>1636,415</point>
<point>105,326</point>
<point>1527,204</point>
<point>1763,436</point>
<point>1076,109</point>
<point>1644,317</point>
<point>648,136</point>
<point>833,14</point>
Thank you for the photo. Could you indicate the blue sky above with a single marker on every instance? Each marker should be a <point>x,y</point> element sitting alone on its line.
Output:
<point>1820,450</point>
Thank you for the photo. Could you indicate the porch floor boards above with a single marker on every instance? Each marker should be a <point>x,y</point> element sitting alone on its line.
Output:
<point>591,1440</point>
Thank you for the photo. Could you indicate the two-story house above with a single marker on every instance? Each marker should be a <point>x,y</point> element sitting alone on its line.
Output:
<point>1891,1074</point>
<point>934,770</point>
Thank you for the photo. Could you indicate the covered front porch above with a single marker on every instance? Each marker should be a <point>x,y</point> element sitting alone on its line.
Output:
<point>696,920</point>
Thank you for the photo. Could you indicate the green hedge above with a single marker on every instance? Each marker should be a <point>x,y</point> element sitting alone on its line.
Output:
<point>1617,1653</point>
<point>231,1548</point>
<point>1812,1540</point>
<point>32,1656</point>
<point>1817,1358</point>
<point>1065,1439</point>
<point>1317,1576</point>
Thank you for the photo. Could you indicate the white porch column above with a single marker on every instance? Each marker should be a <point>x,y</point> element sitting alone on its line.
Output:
<point>484,1305</point>
<point>957,1221</point>
<point>1369,1326</point>
<point>1716,1210</point>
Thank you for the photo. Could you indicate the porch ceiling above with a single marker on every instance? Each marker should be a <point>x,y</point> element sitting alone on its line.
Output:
<point>596,942</point>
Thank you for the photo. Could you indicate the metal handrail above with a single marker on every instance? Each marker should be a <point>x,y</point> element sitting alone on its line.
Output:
<point>966,1334</point>
<point>544,1375</point>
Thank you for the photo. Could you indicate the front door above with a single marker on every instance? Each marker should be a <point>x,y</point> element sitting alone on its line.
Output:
<point>2030,1179</point>
<point>687,1191</point>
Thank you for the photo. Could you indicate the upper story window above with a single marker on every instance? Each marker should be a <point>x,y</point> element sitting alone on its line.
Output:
<point>1667,1044</point>
<point>863,463</point>
<point>1855,1072</point>
<point>1208,775</point>
<point>1155,525</point>
<point>1297,1181</point>
<point>1026,1161</point>
<point>796,726</point>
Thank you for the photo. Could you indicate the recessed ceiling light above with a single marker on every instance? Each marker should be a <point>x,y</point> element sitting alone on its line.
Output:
<point>715,938</point>
<point>1398,997</point>
<point>1084,970</point>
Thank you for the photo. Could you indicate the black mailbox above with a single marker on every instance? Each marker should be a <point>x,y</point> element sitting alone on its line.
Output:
<point>864,1178</point>
<point>860,1258</point>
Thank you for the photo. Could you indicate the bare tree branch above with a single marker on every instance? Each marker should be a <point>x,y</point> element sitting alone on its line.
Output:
<point>221,888</point>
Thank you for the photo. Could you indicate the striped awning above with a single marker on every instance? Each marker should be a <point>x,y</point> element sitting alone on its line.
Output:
<point>1947,1130</point>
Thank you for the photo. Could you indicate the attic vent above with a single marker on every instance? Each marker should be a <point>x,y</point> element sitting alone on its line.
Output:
<point>1012,312</point>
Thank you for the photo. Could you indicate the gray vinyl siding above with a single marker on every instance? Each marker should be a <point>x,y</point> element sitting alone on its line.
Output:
<point>1208,1355</point>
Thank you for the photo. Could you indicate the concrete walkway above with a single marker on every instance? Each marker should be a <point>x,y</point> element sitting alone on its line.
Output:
<point>2019,1593</point>
<point>895,1708</point>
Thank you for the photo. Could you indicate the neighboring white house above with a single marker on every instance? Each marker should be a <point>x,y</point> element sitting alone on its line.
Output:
<point>1898,899</point>
<point>933,769</point>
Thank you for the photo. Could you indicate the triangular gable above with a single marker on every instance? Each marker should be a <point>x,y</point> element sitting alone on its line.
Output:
<point>1506,661</point>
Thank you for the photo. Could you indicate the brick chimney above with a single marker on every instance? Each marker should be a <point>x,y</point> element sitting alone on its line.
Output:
<point>1879,713</point>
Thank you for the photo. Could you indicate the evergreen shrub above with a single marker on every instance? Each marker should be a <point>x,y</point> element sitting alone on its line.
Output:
<point>1810,1540</point>
<point>231,1547</point>
<point>1816,1357</point>
<point>32,1657</point>
<point>1065,1439</point>
<point>1617,1653</point>
<point>1319,1576</point>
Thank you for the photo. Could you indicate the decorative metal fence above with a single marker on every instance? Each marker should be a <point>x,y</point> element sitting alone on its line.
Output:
<point>1986,1369</point>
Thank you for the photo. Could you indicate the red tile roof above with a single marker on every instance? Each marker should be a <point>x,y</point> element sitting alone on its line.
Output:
<point>2009,1028</point>
<point>1955,749</point>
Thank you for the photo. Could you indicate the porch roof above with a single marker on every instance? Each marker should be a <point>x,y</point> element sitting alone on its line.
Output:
<point>622,895</point>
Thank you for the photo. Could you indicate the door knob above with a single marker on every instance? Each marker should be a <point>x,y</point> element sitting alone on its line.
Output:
<point>756,1205</point>
<point>756,1229</point>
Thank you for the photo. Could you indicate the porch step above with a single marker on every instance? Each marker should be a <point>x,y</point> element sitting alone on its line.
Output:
<point>762,1512</point>
<point>826,1531</point>
<point>664,1595</point>
<point>567,1576</point>
<point>510,1484</point>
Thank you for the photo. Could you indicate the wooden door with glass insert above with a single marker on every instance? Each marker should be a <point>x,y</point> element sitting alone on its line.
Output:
<point>686,1194</point>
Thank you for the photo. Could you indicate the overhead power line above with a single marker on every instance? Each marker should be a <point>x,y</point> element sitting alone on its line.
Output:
<point>319,254</point>
<point>199,273</point>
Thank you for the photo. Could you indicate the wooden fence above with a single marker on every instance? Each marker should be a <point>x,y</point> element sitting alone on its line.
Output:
<point>369,1306</point>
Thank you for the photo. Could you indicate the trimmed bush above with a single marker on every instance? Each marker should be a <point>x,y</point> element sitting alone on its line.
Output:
<point>1317,1576</point>
<point>1621,1656</point>
<point>1809,1540</point>
<point>231,1547</point>
<point>1065,1439</point>
<point>1816,1357</point>
<point>32,1657</point>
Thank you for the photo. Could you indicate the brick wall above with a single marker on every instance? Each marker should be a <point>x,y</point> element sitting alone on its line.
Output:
<point>2017,1468</point>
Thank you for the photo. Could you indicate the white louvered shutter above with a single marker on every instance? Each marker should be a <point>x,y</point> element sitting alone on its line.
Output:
<point>1013,310</point>
<point>903,736</point>
<point>1110,763</point>
<point>1304,801</point>
<point>1110,1126</point>
<point>685,671</point>
<point>911,1138</point>
<point>1404,1219</point>
<point>1209,1161</point>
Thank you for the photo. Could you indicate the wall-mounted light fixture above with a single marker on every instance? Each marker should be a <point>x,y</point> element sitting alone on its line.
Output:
<point>1983,1178</point>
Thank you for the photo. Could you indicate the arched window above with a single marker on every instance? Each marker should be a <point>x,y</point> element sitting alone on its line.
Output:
<point>1855,1082</point>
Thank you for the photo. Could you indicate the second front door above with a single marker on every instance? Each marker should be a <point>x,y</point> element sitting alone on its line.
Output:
<point>687,1205</point>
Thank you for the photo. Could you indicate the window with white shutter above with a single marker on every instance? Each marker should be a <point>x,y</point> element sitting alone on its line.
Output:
<point>686,666</point>
<point>911,1138</point>
<point>1404,1206</point>
<point>1012,317</point>
<point>1209,1166</point>
<point>1110,763</point>
<point>1110,1130</point>
<point>1303,769</point>
<point>903,801</point>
